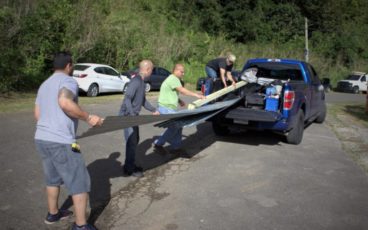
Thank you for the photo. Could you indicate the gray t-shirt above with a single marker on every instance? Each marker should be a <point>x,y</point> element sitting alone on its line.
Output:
<point>53,124</point>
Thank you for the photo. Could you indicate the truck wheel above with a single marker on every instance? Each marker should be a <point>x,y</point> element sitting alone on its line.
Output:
<point>147,87</point>
<point>125,88</point>
<point>295,135</point>
<point>92,90</point>
<point>356,89</point>
<point>220,130</point>
<point>322,116</point>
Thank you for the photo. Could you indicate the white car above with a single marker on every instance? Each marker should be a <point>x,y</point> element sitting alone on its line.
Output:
<point>356,82</point>
<point>97,78</point>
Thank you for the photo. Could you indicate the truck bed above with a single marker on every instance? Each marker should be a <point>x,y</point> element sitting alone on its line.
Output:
<point>247,114</point>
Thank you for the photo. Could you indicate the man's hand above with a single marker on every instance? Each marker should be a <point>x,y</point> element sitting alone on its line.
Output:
<point>94,120</point>
<point>234,84</point>
<point>181,103</point>
<point>156,113</point>
<point>200,96</point>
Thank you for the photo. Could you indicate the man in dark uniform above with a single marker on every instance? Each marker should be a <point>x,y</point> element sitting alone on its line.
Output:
<point>133,101</point>
<point>216,69</point>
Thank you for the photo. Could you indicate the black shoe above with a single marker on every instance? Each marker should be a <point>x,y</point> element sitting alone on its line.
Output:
<point>61,215</point>
<point>160,149</point>
<point>138,172</point>
<point>137,168</point>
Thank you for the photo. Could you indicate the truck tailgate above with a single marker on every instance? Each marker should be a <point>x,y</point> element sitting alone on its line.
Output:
<point>247,114</point>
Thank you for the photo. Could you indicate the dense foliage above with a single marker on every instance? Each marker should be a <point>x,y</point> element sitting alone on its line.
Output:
<point>122,32</point>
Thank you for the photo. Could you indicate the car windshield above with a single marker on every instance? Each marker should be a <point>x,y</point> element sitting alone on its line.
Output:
<point>280,71</point>
<point>80,67</point>
<point>353,77</point>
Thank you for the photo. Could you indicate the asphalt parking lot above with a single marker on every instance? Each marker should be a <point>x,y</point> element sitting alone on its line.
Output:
<point>244,181</point>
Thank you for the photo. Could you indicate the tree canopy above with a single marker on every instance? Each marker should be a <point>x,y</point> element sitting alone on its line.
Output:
<point>122,32</point>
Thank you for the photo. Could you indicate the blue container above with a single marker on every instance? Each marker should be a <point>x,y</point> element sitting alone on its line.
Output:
<point>272,104</point>
<point>270,91</point>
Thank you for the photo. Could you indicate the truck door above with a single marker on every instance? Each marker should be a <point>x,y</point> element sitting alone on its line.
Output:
<point>317,91</point>
<point>363,83</point>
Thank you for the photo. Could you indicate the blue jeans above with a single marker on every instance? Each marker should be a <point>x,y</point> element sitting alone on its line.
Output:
<point>171,135</point>
<point>131,142</point>
<point>211,76</point>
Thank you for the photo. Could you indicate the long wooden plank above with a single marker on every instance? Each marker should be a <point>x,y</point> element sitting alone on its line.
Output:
<point>215,95</point>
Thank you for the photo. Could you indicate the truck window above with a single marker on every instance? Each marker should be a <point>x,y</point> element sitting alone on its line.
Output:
<point>353,77</point>
<point>363,79</point>
<point>278,71</point>
<point>313,74</point>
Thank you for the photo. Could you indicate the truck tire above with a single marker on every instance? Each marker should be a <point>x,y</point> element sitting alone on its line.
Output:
<point>295,135</point>
<point>92,90</point>
<point>220,130</point>
<point>322,116</point>
<point>125,88</point>
<point>356,89</point>
<point>147,87</point>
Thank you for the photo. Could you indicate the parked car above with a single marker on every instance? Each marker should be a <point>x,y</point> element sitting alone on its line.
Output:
<point>326,84</point>
<point>94,79</point>
<point>202,80</point>
<point>154,81</point>
<point>286,96</point>
<point>354,83</point>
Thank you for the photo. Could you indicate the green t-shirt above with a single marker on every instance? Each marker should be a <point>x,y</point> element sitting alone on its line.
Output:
<point>169,97</point>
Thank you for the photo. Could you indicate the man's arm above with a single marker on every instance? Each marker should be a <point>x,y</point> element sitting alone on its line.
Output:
<point>187,92</point>
<point>37,112</point>
<point>230,77</point>
<point>147,105</point>
<point>222,76</point>
<point>72,109</point>
<point>128,97</point>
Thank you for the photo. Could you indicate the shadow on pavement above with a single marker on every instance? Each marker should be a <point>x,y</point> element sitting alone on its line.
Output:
<point>201,139</point>
<point>191,144</point>
<point>100,171</point>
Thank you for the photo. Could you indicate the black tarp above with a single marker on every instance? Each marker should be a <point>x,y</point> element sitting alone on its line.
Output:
<point>184,118</point>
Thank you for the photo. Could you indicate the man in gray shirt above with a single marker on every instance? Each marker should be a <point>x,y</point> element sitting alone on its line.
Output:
<point>134,99</point>
<point>57,113</point>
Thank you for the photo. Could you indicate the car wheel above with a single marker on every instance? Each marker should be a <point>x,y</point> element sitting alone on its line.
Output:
<point>322,116</point>
<point>356,89</point>
<point>92,90</point>
<point>295,135</point>
<point>147,87</point>
<point>125,88</point>
<point>220,130</point>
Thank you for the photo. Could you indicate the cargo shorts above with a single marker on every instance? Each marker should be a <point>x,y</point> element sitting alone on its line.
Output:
<point>62,165</point>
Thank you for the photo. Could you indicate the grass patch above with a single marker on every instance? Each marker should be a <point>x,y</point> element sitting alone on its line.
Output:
<point>356,113</point>
<point>21,102</point>
<point>349,122</point>
<point>16,102</point>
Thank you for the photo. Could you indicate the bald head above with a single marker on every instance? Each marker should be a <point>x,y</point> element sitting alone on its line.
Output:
<point>145,68</point>
<point>178,70</point>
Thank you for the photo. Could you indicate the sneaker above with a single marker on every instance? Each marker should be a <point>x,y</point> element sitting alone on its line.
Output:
<point>138,172</point>
<point>61,215</point>
<point>83,227</point>
<point>160,149</point>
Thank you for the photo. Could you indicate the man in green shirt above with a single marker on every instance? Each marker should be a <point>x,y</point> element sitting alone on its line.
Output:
<point>168,102</point>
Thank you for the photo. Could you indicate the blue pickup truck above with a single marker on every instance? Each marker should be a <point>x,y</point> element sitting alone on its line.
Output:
<point>281,95</point>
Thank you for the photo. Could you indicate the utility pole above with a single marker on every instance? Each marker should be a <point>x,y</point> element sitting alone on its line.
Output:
<point>306,51</point>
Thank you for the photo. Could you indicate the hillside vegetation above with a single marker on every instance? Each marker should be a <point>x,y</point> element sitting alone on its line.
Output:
<point>122,32</point>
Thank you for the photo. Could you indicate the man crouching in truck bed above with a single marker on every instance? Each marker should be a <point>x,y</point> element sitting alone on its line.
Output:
<point>285,95</point>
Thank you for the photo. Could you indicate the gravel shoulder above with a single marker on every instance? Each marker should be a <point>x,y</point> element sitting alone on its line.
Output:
<point>350,125</point>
